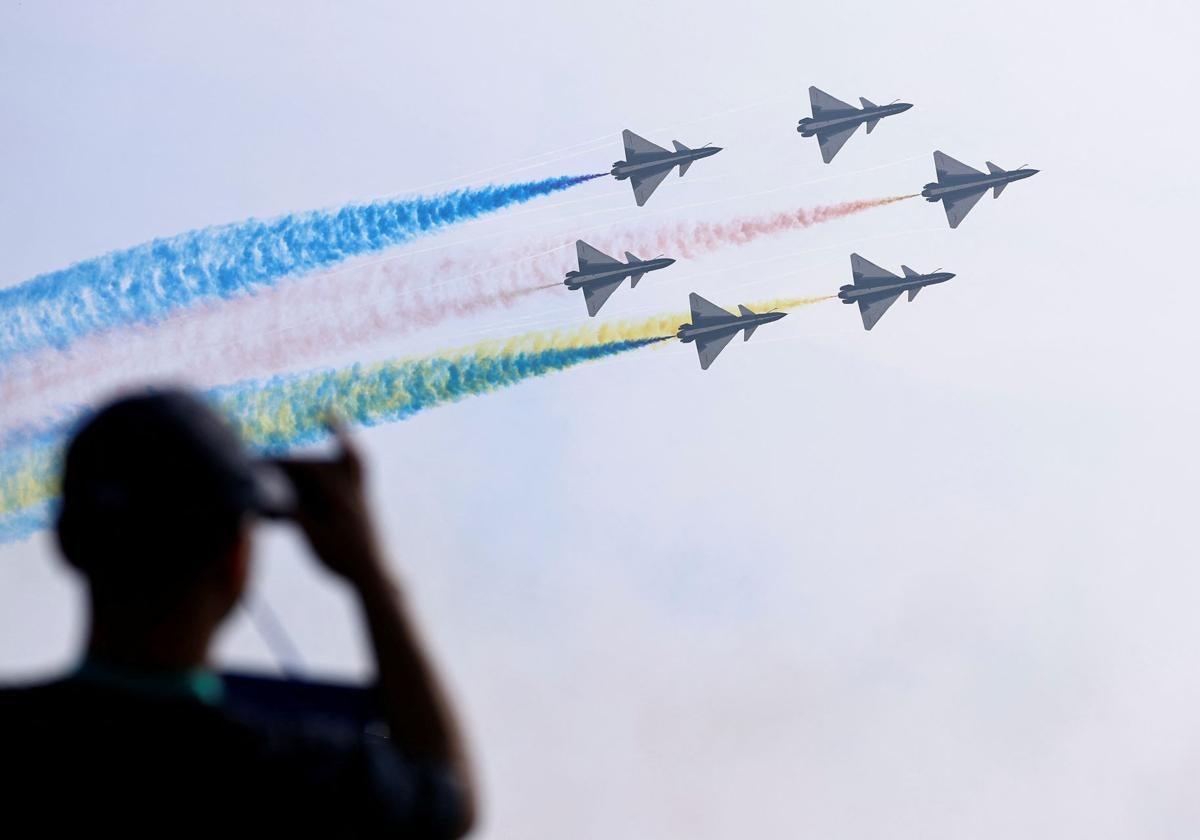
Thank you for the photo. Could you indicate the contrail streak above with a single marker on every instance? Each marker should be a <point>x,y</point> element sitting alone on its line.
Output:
<point>148,281</point>
<point>286,411</point>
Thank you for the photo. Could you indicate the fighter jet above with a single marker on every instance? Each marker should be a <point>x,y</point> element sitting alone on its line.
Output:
<point>646,164</point>
<point>875,288</point>
<point>959,186</point>
<point>599,275</point>
<point>712,327</point>
<point>833,121</point>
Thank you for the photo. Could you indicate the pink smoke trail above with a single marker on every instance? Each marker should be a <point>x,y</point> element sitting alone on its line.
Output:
<point>282,328</point>
<point>685,240</point>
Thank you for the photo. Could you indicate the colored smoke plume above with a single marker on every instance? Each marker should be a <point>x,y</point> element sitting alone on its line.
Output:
<point>289,410</point>
<point>146,282</point>
<point>296,324</point>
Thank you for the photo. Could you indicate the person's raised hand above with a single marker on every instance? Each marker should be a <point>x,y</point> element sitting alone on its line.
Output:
<point>333,512</point>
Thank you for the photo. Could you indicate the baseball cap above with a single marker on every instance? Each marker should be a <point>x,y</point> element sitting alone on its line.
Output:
<point>164,464</point>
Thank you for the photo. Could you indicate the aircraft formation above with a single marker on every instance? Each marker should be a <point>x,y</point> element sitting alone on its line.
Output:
<point>958,187</point>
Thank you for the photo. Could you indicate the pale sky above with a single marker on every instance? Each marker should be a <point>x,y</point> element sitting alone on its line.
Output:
<point>931,581</point>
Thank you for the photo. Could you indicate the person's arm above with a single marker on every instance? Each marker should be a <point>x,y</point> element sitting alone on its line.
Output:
<point>335,516</point>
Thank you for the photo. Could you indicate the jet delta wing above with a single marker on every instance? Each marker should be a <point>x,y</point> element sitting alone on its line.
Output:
<point>825,106</point>
<point>710,348</point>
<point>959,206</point>
<point>948,169</point>
<point>645,185</point>
<point>638,149</point>
<point>831,142</point>
<point>593,258</point>
<point>706,313</point>
<point>866,273</point>
<point>596,294</point>
<point>873,306</point>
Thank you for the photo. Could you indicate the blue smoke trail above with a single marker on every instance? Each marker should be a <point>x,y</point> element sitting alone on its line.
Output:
<point>148,281</point>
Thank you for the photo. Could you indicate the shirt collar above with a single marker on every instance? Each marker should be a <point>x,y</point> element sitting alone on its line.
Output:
<point>199,684</point>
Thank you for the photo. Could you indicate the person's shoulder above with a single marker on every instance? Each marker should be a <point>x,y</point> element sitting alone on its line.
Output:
<point>32,695</point>
<point>33,710</point>
<point>68,707</point>
<point>323,769</point>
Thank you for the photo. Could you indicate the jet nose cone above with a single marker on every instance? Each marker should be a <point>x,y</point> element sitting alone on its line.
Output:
<point>901,107</point>
<point>712,150</point>
<point>949,275</point>
<point>666,261</point>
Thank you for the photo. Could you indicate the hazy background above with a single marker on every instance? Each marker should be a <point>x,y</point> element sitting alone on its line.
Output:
<point>932,581</point>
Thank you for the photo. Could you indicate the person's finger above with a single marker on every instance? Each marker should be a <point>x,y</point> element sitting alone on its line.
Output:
<point>348,449</point>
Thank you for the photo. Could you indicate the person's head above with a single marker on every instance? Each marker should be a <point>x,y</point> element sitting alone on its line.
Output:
<point>158,495</point>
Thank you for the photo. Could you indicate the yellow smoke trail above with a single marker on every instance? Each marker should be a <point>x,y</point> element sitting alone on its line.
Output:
<point>788,303</point>
<point>609,332</point>
<point>286,410</point>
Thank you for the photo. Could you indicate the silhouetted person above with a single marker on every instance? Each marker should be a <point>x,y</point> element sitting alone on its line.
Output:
<point>158,502</point>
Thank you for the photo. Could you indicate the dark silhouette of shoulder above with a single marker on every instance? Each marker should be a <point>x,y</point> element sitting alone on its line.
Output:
<point>77,754</point>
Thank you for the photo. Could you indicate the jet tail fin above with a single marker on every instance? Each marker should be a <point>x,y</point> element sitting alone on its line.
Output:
<point>634,278</point>
<point>908,272</point>
<point>749,332</point>
<point>994,169</point>
<point>912,293</point>
<point>999,188</point>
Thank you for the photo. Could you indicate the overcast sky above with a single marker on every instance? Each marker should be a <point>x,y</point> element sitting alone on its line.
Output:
<point>932,581</point>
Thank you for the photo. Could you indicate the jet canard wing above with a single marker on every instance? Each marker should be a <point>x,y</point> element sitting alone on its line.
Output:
<point>637,148</point>
<point>707,313</point>
<point>590,257</point>
<point>824,105</point>
<point>949,169</point>
<point>709,348</point>
<point>645,185</point>
<point>872,307</point>
<point>832,141</point>
<point>866,273</point>
<point>958,206</point>
<point>595,294</point>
